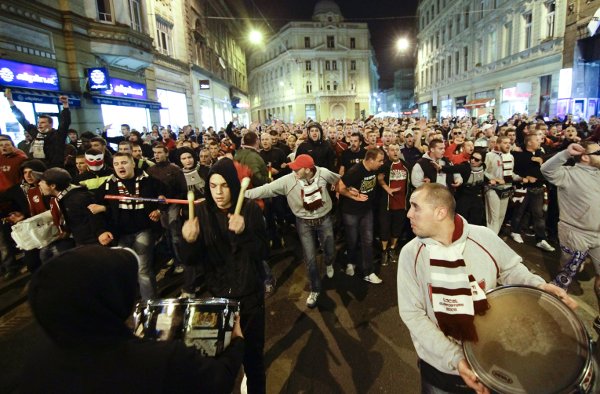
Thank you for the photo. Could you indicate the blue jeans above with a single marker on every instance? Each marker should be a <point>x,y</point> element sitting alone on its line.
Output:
<point>170,220</point>
<point>142,244</point>
<point>307,233</point>
<point>355,224</point>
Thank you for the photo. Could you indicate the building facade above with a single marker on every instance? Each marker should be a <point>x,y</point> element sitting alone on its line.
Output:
<point>319,69</point>
<point>140,62</point>
<point>477,57</point>
<point>579,90</point>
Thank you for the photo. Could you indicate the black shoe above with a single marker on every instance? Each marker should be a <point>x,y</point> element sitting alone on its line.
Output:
<point>385,255</point>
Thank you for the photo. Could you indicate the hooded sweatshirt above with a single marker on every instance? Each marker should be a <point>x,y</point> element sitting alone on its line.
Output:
<point>92,350</point>
<point>487,258</point>
<point>320,150</point>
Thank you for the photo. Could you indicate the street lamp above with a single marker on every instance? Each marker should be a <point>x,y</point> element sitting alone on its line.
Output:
<point>255,37</point>
<point>402,44</point>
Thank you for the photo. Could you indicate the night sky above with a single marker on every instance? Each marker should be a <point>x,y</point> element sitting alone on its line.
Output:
<point>384,32</point>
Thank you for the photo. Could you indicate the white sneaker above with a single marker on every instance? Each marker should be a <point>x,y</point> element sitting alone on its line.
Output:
<point>545,246</point>
<point>350,270</point>
<point>516,237</point>
<point>179,269</point>
<point>311,301</point>
<point>330,271</point>
<point>373,278</point>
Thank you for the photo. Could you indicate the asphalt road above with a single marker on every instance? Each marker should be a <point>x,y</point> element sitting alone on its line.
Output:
<point>353,342</point>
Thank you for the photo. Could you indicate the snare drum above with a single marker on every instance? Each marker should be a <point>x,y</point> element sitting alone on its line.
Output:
<point>205,324</point>
<point>531,342</point>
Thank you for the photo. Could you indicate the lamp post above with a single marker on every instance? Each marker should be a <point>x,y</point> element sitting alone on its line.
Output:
<point>255,37</point>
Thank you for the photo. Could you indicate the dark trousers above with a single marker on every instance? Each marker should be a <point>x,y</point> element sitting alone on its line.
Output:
<point>355,225</point>
<point>253,327</point>
<point>533,203</point>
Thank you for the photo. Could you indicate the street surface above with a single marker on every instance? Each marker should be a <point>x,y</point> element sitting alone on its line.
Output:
<point>353,342</point>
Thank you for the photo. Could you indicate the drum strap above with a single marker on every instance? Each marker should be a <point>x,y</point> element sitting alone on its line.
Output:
<point>565,277</point>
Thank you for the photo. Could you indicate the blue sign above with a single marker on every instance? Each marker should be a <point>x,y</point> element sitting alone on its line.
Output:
<point>126,102</point>
<point>124,88</point>
<point>98,78</point>
<point>30,76</point>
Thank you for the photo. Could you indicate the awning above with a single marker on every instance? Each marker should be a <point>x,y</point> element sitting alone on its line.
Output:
<point>123,102</point>
<point>478,103</point>
<point>46,97</point>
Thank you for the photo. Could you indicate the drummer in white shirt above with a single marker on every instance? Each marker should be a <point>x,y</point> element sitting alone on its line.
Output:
<point>472,259</point>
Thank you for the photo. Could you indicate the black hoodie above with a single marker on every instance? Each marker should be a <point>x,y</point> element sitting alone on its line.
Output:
<point>82,299</point>
<point>320,150</point>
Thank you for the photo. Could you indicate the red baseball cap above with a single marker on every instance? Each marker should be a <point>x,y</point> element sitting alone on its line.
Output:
<point>302,161</point>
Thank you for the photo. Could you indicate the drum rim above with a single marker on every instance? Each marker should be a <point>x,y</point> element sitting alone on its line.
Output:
<point>191,301</point>
<point>585,369</point>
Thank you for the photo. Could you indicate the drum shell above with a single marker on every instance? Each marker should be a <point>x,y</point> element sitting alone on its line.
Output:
<point>529,341</point>
<point>204,323</point>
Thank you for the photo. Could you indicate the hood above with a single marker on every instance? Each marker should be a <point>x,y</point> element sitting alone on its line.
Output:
<point>321,138</point>
<point>226,169</point>
<point>461,231</point>
<point>84,296</point>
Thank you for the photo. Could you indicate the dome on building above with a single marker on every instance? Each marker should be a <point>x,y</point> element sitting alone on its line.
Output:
<point>326,6</point>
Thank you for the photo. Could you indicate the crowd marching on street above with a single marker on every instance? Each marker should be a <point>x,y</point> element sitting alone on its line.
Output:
<point>360,183</point>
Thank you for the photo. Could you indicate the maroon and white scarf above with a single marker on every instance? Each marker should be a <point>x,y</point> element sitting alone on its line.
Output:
<point>312,199</point>
<point>455,294</point>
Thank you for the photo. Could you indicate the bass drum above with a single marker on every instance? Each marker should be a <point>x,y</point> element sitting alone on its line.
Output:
<point>531,342</point>
<point>204,323</point>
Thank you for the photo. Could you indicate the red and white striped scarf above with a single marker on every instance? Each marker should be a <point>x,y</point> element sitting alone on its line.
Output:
<point>455,294</point>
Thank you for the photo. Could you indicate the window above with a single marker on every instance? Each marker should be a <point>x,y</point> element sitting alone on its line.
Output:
<point>308,65</point>
<point>335,85</point>
<point>334,65</point>
<point>310,111</point>
<point>164,43</point>
<point>449,66</point>
<point>479,59</point>
<point>353,65</point>
<point>527,20</point>
<point>104,10</point>
<point>449,31</point>
<point>508,36</point>
<point>550,18</point>
<point>456,62</point>
<point>308,87</point>
<point>136,14</point>
<point>327,65</point>
<point>443,68</point>
<point>436,76</point>
<point>352,43</point>
<point>306,42</point>
<point>466,12</point>
<point>493,42</point>
<point>437,40</point>
<point>352,86</point>
<point>330,42</point>
<point>328,85</point>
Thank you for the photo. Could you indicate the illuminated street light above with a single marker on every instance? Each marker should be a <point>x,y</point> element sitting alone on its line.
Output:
<point>255,37</point>
<point>402,44</point>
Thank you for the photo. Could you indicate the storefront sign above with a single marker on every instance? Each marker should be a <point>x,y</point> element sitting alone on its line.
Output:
<point>204,84</point>
<point>29,76</point>
<point>98,78</point>
<point>124,88</point>
<point>511,94</point>
<point>460,101</point>
<point>126,103</point>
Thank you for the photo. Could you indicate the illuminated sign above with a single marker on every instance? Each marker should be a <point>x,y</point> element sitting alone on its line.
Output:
<point>98,78</point>
<point>124,88</point>
<point>29,76</point>
<point>204,84</point>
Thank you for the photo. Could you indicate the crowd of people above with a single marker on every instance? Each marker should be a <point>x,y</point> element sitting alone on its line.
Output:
<point>364,182</point>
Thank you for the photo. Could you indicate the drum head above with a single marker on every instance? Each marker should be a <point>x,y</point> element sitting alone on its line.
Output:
<point>529,342</point>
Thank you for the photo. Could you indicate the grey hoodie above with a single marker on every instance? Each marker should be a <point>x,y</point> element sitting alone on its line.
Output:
<point>486,257</point>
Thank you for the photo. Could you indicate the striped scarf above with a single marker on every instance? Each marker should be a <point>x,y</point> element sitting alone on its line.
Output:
<point>122,189</point>
<point>456,296</point>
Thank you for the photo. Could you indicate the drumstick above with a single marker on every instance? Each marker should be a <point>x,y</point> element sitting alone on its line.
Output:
<point>240,200</point>
<point>145,199</point>
<point>190,198</point>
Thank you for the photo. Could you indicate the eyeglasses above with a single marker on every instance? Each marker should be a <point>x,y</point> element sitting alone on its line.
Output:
<point>475,159</point>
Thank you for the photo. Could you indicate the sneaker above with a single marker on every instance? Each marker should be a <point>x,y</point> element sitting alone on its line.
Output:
<point>311,301</point>
<point>330,271</point>
<point>350,270</point>
<point>385,256</point>
<point>373,278</point>
<point>516,237</point>
<point>179,269</point>
<point>545,246</point>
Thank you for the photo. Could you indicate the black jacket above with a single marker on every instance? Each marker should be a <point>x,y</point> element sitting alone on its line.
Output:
<point>54,143</point>
<point>321,152</point>
<point>83,225</point>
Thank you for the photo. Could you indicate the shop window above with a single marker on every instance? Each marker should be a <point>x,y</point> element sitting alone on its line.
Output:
<point>135,13</point>
<point>164,40</point>
<point>104,10</point>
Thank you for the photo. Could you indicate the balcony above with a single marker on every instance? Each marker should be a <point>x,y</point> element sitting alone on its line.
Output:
<point>121,46</point>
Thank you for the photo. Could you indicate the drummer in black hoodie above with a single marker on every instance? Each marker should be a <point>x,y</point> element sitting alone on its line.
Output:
<point>81,299</point>
<point>316,147</point>
<point>231,248</point>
